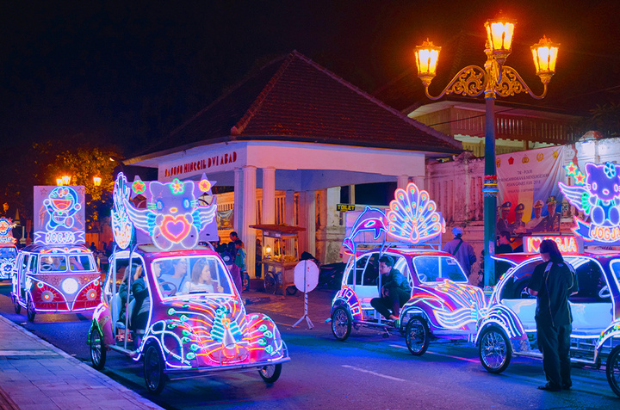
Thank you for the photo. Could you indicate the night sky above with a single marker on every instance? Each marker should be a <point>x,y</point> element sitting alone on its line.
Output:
<point>128,72</point>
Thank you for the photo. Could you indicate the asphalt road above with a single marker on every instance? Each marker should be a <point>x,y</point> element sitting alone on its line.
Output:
<point>366,371</point>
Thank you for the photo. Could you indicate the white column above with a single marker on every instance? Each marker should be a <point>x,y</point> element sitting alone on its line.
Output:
<point>402,181</point>
<point>302,218</point>
<point>289,208</point>
<point>420,181</point>
<point>238,205</point>
<point>269,195</point>
<point>248,236</point>
<point>321,235</point>
<point>311,222</point>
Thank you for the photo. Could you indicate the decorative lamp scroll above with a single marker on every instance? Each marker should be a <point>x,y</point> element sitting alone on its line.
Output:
<point>545,54</point>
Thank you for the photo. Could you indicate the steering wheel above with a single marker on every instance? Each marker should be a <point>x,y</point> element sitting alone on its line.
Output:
<point>604,292</point>
<point>46,268</point>
<point>422,277</point>
<point>170,292</point>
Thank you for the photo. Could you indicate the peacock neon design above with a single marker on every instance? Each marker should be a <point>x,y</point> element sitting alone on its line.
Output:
<point>413,216</point>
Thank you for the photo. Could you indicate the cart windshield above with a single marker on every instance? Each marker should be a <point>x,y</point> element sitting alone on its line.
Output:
<point>438,268</point>
<point>58,263</point>
<point>191,275</point>
<point>8,252</point>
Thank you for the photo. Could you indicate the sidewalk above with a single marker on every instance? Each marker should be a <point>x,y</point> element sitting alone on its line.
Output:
<point>36,375</point>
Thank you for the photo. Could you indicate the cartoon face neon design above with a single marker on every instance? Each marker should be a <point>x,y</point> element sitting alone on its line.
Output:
<point>61,204</point>
<point>599,199</point>
<point>173,216</point>
<point>6,233</point>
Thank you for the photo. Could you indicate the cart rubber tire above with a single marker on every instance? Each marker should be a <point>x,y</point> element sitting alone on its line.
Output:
<point>245,282</point>
<point>98,351</point>
<point>30,312</point>
<point>291,290</point>
<point>613,370</point>
<point>417,326</point>
<point>341,323</point>
<point>16,305</point>
<point>270,374</point>
<point>154,376</point>
<point>494,343</point>
<point>271,284</point>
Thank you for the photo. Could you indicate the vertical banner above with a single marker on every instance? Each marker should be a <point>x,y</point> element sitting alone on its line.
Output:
<point>529,197</point>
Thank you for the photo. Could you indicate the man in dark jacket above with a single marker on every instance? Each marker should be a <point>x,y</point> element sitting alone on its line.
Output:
<point>395,290</point>
<point>553,282</point>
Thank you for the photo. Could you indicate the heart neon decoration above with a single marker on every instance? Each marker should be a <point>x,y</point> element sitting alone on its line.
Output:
<point>175,229</point>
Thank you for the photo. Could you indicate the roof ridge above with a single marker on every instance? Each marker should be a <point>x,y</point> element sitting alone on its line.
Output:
<point>411,121</point>
<point>224,95</point>
<point>258,102</point>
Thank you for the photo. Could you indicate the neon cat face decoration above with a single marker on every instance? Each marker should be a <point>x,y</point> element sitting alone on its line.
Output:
<point>172,218</point>
<point>598,198</point>
<point>61,204</point>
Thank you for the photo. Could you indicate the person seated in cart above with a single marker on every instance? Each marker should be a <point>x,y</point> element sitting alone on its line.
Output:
<point>395,290</point>
<point>201,279</point>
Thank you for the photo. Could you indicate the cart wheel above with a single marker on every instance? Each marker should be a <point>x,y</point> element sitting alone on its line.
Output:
<point>270,374</point>
<point>245,282</point>
<point>613,370</point>
<point>154,370</point>
<point>291,290</point>
<point>271,285</point>
<point>417,336</point>
<point>16,305</point>
<point>341,324</point>
<point>97,349</point>
<point>30,312</point>
<point>494,350</point>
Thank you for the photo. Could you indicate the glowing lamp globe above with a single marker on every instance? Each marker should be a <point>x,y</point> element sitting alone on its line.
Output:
<point>66,179</point>
<point>545,54</point>
<point>426,57</point>
<point>59,181</point>
<point>499,37</point>
<point>97,181</point>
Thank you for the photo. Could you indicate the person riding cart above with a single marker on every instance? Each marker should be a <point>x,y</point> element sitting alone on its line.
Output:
<point>395,291</point>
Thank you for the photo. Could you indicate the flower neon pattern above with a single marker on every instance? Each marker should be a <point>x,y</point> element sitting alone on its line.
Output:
<point>176,187</point>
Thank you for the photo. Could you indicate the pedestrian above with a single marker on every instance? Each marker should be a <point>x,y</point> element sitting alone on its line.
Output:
<point>231,246</point>
<point>258,266</point>
<point>503,246</point>
<point>240,262</point>
<point>461,250</point>
<point>553,282</point>
<point>92,247</point>
<point>234,269</point>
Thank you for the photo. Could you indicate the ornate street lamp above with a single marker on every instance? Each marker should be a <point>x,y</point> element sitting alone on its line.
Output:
<point>66,179</point>
<point>97,181</point>
<point>492,80</point>
<point>59,181</point>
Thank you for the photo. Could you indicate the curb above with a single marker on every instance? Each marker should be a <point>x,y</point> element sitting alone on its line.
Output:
<point>142,400</point>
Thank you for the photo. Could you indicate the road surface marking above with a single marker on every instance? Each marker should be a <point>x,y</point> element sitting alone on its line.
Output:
<point>441,354</point>
<point>374,373</point>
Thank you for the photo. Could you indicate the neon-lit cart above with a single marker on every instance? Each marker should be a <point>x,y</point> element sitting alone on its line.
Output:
<point>508,328</point>
<point>442,303</point>
<point>171,302</point>
<point>281,261</point>
<point>8,250</point>
<point>56,274</point>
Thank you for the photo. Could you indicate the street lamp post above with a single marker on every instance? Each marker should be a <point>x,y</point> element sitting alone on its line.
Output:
<point>492,80</point>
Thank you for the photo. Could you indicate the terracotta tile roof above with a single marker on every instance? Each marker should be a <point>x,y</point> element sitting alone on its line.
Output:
<point>295,99</point>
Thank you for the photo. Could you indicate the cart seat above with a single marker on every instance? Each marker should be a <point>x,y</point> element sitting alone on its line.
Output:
<point>590,318</point>
<point>525,309</point>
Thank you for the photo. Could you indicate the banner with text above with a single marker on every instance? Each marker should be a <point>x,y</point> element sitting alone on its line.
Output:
<point>529,197</point>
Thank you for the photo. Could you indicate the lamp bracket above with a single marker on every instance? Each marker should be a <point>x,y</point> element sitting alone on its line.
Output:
<point>511,83</point>
<point>469,82</point>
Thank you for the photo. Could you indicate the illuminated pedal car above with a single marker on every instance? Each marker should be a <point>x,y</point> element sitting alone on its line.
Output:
<point>55,279</point>
<point>8,254</point>
<point>509,329</point>
<point>442,303</point>
<point>193,320</point>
